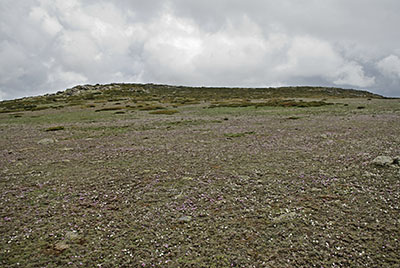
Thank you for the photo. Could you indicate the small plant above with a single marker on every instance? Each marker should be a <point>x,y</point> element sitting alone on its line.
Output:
<point>167,112</point>
<point>293,118</point>
<point>270,103</point>
<point>56,128</point>
<point>236,135</point>
<point>151,107</point>
<point>110,109</point>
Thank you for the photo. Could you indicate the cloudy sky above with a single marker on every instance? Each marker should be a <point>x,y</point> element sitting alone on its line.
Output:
<point>50,45</point>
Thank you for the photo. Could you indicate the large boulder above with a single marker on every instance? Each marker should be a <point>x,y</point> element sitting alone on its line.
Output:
<point>385,161</point>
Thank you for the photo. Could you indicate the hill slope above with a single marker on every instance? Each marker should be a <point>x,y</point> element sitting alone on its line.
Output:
<point>181,95</point>
<point>141,176</point>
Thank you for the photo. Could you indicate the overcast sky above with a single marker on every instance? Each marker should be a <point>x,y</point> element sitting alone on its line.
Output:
<point>50,45</point>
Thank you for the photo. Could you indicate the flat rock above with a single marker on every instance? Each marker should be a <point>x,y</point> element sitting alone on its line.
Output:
<point>285,217</point>
<point>61,246</point>
<point>72,236</point>
<point>315,190</point>
<point>66,149</point>
<point>369,174</point>
<point>185,219</point>
<point>384,161</point>
<point>46,141</point>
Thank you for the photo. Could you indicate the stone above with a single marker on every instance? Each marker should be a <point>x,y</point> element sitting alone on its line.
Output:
<point>185,219</point>
<point>369,174</point>
<point>46,141</point>
<point>66,149</point>
<point>285,217</point>
<point>179,196</point>
<point>383,161</point>
<point>315,190</point>
<point>61,246</point>
<point>72,236</point>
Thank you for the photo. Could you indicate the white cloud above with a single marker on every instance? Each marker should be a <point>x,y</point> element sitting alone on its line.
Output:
<point>68,78</point>
<point>49,24</point>
<point>311,57</point>
<point>170,45</point>
<point>236,53</point>
<point>390,66</point>
<point>48,45</point>
<point>308,56</point>
<point>352,74</point>
<point>15,58</point>
<point>3,95</point>
<point>77,51</point>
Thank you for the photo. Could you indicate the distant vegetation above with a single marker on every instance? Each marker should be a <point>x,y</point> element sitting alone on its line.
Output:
<point>157,97</point>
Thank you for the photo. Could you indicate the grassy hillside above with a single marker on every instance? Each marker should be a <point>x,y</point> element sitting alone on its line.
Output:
<point>136,96</point>
<point>157,176</point>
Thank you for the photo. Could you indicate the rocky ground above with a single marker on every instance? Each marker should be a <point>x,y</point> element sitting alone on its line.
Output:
<point>202,187</point>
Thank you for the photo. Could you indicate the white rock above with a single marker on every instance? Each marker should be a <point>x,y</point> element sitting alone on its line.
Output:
<point>46,141</point>
<point>185,219</point>
<point>383,161</point>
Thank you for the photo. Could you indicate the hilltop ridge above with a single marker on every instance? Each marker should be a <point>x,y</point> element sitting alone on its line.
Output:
<point>201,92</point>
<point>82,94</point>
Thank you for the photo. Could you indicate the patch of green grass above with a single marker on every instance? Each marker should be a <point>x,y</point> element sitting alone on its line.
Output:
<point>166,112</point>
<point>192,122</point>
<point>150,107</point>
<point>237,135</point>
<point>269,103</point>
<point>115,108</point>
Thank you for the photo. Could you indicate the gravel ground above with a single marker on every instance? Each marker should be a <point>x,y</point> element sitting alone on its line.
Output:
<point>220,187</point>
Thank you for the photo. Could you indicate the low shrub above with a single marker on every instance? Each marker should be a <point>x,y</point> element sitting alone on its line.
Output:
<point>167,112</point>
<point>236,135</point>
<point>56,128</point>
<point>110,109</point>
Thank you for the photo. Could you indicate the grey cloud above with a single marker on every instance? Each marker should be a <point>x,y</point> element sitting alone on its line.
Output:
<point>51,45</point>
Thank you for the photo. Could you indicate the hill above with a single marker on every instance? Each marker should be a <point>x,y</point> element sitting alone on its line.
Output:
<point>127,175</point>
<point>175,95</point>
